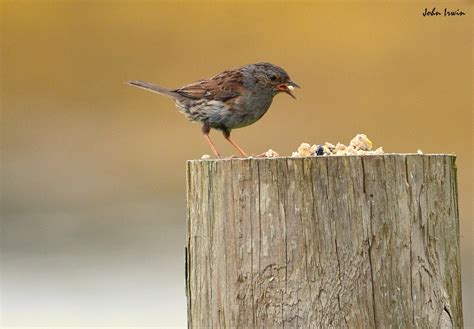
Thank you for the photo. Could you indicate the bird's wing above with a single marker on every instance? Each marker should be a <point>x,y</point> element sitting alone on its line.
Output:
<point>221,87</point>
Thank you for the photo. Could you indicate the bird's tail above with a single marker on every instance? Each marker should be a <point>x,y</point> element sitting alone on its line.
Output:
<point>154,88</point>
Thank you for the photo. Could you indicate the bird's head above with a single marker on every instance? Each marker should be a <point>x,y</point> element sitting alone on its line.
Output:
<point>274,78</point>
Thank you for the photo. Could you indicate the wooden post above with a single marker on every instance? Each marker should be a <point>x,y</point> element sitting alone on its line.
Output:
<point>323,242</point>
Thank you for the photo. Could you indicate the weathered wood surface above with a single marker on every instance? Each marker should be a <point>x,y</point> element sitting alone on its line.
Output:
<point>323,242</point>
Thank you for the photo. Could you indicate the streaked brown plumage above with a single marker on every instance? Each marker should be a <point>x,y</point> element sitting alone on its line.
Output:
<point>231,99</point>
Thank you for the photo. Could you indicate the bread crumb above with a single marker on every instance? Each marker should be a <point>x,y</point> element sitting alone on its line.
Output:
<point>271,154</point>
<point>305,150</point>
<point>361,142</point>
<point>328,148</point>
<point>359,145</point>
<point>340,148</point>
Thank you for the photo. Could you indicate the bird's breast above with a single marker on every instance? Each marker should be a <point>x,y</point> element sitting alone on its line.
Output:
<point>236,113</point>
<point>248,110</point>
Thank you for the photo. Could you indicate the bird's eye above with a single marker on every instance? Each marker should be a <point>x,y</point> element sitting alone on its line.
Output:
<point>273,77</point>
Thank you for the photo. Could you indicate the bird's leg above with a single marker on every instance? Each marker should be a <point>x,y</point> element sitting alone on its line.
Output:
<point>227,136</point>
<point>205,130</point>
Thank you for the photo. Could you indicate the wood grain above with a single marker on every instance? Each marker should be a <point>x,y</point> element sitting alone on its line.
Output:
<point>323,242</point>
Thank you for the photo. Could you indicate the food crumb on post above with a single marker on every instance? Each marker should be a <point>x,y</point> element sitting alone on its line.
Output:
<point>271,154</point>
<point>359,145</point>
<point>305,150</point>
<point>361,142</point>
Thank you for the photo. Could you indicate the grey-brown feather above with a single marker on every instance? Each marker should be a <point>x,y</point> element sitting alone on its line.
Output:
<point>231,99</point>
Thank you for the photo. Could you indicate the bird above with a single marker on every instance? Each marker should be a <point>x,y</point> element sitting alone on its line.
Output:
<point>228,100</point>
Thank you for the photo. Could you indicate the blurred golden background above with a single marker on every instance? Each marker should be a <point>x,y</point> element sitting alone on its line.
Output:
<point>93,171</point>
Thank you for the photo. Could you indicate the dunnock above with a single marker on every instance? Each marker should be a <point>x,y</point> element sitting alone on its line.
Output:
<point>228,100</point>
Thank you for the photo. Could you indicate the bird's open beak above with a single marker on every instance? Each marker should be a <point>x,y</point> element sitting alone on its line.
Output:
<point>288,87</point>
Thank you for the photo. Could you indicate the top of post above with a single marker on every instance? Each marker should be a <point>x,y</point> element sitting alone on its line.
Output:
<point>279,158</point>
